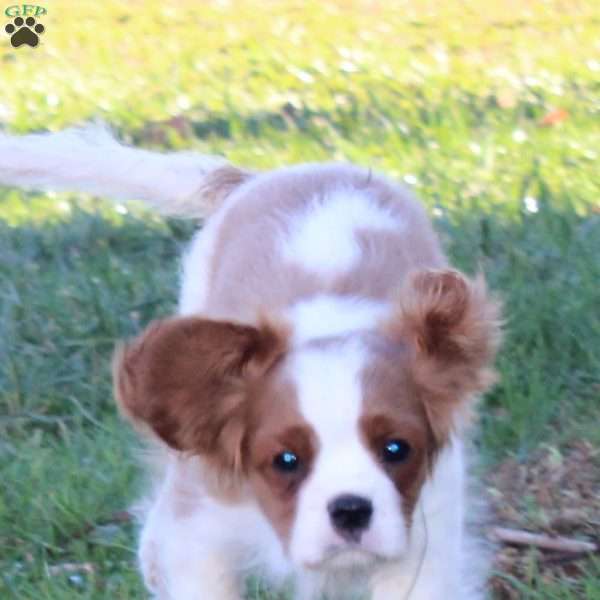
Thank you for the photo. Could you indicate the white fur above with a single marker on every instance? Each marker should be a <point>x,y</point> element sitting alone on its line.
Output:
<point>90,160</point>
<point>329,316</point>
<point>322,238</point>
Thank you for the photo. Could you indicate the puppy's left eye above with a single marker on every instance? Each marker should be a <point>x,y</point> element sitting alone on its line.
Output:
<point>286,462</point>
<point>395,451</point>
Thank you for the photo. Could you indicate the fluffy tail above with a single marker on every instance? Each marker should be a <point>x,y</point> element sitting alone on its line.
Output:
<point>89,159</point>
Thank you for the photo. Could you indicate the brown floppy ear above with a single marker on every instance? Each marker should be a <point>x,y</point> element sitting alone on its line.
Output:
<point>453,329</point>
<point>184,378</point>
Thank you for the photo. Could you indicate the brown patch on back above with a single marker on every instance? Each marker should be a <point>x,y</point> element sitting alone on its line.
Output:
<point>248,275</point>
<point>386,257</point>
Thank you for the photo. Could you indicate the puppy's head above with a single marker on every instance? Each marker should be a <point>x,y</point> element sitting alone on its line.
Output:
<point>335,436</point>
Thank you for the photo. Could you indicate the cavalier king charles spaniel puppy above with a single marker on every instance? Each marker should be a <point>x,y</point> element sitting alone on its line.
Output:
<point>310,401</point>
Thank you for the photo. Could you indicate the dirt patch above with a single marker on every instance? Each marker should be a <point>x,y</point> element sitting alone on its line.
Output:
<point>554,493</point>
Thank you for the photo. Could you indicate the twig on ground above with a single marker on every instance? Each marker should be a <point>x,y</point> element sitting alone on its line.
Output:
<point>518,537</point>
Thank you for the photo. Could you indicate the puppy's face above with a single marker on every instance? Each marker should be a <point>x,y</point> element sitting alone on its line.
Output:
<point>335,436</point>
<point>339,449</point>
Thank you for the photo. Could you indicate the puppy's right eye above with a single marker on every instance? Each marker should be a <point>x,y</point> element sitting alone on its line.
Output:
<point>286,462</point>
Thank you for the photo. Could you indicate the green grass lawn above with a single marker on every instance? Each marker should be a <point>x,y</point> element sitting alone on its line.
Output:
<point>490,110</point>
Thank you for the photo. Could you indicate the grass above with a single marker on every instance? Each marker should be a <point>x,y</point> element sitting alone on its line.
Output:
<point>464,103</point>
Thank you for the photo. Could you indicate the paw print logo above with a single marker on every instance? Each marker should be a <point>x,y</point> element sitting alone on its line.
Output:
<point>24,31</point>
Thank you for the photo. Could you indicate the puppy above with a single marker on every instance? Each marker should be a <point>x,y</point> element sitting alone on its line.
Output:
<point>310,400</point>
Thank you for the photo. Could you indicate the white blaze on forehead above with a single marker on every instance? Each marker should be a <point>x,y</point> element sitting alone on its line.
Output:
<point>322,238</point>
<point>328,388</point>
<point>330,316</point>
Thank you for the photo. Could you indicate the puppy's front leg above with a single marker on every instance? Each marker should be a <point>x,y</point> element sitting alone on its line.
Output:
<point>433,579</point>
<point>308,586</point>
<point>202,576</point>
<point>176,567</point>
<point>400,587</point>
<point>429,571</point>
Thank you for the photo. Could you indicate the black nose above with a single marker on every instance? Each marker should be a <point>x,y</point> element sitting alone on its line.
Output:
<point>350,515</point>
